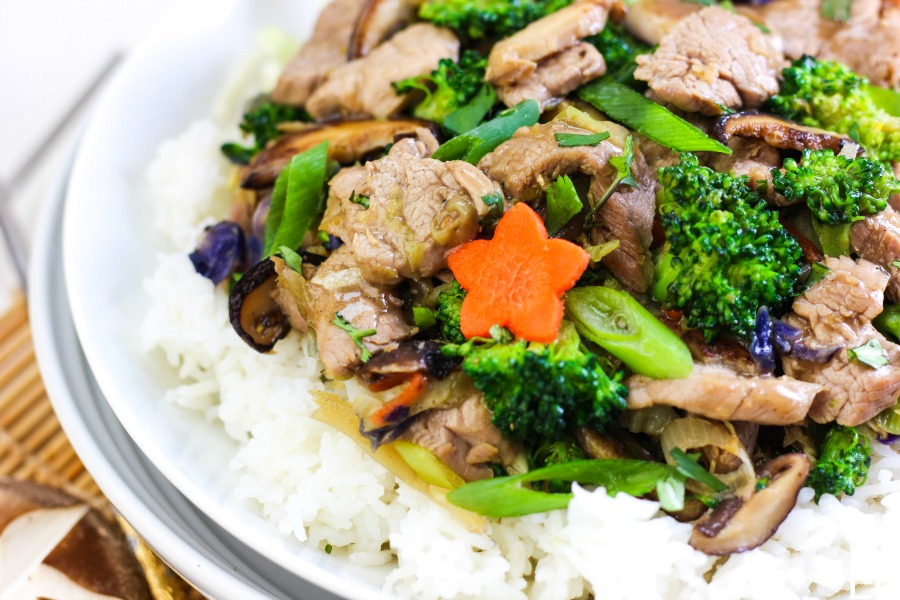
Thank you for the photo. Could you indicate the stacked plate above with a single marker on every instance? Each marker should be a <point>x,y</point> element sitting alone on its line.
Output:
<point>166,471</point>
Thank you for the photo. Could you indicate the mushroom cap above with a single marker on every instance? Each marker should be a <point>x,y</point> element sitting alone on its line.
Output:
<point>778,132</point>
<point>737,526</point>
<point>255,315</point>
<point>92,555</point>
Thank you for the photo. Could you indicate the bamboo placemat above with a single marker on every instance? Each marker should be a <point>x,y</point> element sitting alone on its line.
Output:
<point>33,445</point>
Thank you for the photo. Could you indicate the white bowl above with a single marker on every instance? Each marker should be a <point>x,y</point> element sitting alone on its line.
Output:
<point>218,564</point>
<point>108,250</point>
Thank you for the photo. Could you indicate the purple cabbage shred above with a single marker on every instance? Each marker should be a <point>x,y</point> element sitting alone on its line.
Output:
<point>773,336</point>
<point>221,251</point>
<point>761,347</point>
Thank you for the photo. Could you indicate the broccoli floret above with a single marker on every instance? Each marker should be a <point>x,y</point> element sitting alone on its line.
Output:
<point>619,49</point>
<point>449,87</point>
<point>447,314</point>
<point>843,463</point>
<point>836,188</point>
<point>261,122</point>
<point>556,453</point>
<point>726,254</point>
<point>828,95</point>
<point>539,393</point>
<point>487,19</point>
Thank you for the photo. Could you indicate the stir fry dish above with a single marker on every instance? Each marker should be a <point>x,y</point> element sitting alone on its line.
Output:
<point>648,246</point>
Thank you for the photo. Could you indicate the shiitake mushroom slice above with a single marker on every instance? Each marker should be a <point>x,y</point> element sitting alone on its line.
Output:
<point>252,309</point>
<point>778,132</point>
<point>348,142</point>
<point>378,20</point>
<point>736,525</point>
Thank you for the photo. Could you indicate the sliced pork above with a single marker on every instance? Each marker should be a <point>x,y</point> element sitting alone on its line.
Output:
<point>547,60</point>
<point>628,217</point>
<point>556,76</point>
<point>868,43</point>
<point>363,87</point>
<point>402,214</point>
<point>717,392</point>
<point>837,311</point>
<point>877,238</point>
<point>532,160</point>
<point>325,50</point>
<point>713,61</point>
<point>463,437</point>
<point>339,286</point>
<point>753,158</point>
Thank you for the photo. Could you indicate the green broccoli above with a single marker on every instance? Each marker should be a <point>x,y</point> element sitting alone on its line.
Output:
<point>726,253</point>
<point>487,19</point>
<point>449,87</point>
<point>828,95</point>
<point>261,121</point>
<point>619,49</point>
<point>843,463</point>
<point>556,453</point>
<point>447,314</point>
<point>539,393</point>
<point>836,188</point>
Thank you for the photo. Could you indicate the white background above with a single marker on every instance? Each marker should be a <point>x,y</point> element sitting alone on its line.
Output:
<point>50,50</point>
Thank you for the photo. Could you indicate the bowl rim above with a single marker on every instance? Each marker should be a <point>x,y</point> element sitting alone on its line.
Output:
<point>179,31</point>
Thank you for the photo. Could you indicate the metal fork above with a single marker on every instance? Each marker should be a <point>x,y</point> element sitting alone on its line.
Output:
<point>9,231</point>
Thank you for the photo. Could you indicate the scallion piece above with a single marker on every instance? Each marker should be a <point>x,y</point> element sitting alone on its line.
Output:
<point>469,116</point>
<point>473,145</point>
<point>296,199</point>
<point>837,10</point>
<point>687,465</point>
<point>627,106</point>
<point>573,140</point>
<point>507,497</point>
<point>563,203</point>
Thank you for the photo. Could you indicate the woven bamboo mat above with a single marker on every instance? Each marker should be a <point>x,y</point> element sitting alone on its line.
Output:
<point>33,445</point>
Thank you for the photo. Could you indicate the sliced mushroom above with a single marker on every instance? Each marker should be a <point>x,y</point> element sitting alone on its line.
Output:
<point>53,545</point>
<point>778,132</point>
<point>737,526</point>
<point>253,311</point>
<point>377,21</point>
<point>410,357</point>
<point>611,444</point>
<point>348,142</point>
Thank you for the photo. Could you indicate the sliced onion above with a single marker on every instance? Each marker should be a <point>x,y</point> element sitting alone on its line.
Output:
<point>337,412</point>
<point>692,433</point>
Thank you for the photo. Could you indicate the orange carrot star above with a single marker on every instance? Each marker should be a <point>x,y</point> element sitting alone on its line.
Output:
<point>517,280</point>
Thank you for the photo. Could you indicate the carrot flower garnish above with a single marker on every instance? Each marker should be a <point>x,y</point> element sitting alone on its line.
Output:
<point>517,280</point>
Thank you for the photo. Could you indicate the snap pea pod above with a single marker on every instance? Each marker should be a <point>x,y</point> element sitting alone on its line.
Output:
<point>619,324</point>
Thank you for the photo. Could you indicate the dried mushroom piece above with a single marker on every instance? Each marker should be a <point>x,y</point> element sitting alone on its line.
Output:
<point>52,545</point>
<point>378,20</point>
<point>348,142</point>
<point>778,132</point>
<point>737,526</point>
<point>253,311</point>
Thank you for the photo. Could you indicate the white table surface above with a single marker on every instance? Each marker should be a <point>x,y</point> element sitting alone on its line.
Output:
<point>50,50</point>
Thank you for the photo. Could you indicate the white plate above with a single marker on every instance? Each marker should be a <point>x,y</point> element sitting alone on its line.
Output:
<point>108,250</point>
<point>216,563</point>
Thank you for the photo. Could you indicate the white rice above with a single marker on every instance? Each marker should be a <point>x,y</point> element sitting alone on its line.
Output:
<point>321,488</point>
